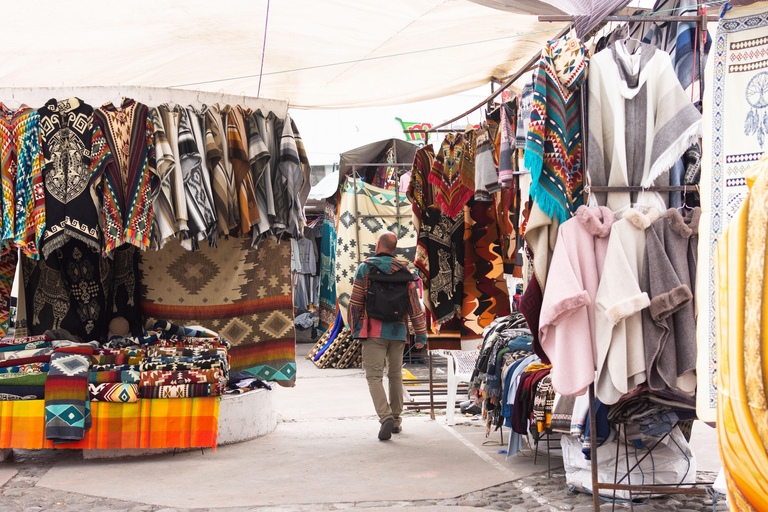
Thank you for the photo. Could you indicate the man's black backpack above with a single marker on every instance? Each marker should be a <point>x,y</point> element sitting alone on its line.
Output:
<point>387,294</point>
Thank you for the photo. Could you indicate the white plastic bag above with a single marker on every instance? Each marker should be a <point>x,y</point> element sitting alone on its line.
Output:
<point>670,463</point>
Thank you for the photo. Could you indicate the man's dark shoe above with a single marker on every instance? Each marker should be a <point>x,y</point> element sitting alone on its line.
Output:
<point>397,430</point>
<point>385,432</point>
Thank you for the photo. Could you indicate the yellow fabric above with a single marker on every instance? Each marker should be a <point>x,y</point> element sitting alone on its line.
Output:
<point>742,330</point>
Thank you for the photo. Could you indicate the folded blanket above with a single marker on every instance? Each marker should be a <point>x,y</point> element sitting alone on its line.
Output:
<point>167,378</point>
<point>25,368</point>
<point>114,367</point>
<point>190,351</point>
<point>209,364</point>
<point>21,392</point>
<point>182,391</point>
<point>116,359</point>
<point>22,341</point>
<point>16,347</point>
<point>129,351</point>
<point>113,392</point>
<point>175,341</point>
<point>67,408</point>
<point>20,354</point>
<point>117,376</point>
<point>23,379</point>
<point>25,360</point>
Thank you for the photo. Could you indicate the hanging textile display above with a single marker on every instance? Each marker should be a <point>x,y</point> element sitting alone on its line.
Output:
<point>636,103</point>
<point>381,207</point>
<point>420,191</point>
<point>294,169</point>
<point>66,129</point>
<point>440,261</point>
<point>485,291</point>
<point>327,299</point>
<point>157,423</point>
<point>222,176</point>
<point>553,145</point>
<point>734,138</point>
<point>451,191</point>
<point>742,413</point>
<point>242,294</point>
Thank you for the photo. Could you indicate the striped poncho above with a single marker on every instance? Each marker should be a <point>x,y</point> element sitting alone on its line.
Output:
<point>123,175</point>
<point>553,144</point>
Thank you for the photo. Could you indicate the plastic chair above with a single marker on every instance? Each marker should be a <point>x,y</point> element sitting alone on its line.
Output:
<point>461,364</point>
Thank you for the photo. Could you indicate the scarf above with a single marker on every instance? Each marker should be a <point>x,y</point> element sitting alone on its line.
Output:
<point>123,173</point>
<point>65,132</point>
<point>625,90</point>
<point>553,145</point>
<point>445,175</point>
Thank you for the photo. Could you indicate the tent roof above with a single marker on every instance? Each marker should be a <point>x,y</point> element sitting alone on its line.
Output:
<point>334,53</point>
<point>375,152</point>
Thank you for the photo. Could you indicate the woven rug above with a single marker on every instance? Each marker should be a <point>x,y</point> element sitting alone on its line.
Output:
<point>243,294</point>
<point>327,301</point>
<point>159,423</point>
<point>382,206</point>
<point>67,406</point>
<point>485,289</point>
<point>735,136</point>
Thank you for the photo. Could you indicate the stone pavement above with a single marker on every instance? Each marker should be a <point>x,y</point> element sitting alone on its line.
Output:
<point>324,455</point>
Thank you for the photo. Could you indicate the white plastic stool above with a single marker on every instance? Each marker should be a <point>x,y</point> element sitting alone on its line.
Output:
<point>461,364</point>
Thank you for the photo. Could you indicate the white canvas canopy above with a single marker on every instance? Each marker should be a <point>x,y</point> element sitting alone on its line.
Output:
<point>318,54</point>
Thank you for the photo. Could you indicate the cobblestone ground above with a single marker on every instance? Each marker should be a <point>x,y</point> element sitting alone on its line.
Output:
<point>535,493</point>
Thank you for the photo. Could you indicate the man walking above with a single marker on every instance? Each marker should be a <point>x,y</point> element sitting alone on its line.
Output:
<point>380,322</point>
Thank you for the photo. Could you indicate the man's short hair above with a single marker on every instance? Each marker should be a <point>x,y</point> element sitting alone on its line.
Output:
<point>388,242</point>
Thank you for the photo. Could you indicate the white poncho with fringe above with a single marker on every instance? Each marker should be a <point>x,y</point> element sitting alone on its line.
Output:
<point>640,123</point>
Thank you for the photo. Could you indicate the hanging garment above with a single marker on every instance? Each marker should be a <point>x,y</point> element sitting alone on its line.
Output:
<point>327,300</point>
<point>292,169</point>
<point>222,174</point>
<point>237,139</point>
<point>207,209</point>
<point>163,201</point>
<point>123,174</point>
<point>66,291</point>
<point>669,324</point>
<point>742,413</point>
<point>198,198</point>
<point>640,123</point>
<point>524,115</point>
<point>541,236</point>
<point>23,194</point>
<point>567,322</point>
<point>486,174</point>
<point>65,130</point>
<point>486,295</point>
<point>260,139</point>
<point>451,193</point>
<point>553,146</point>
<point>507,149</point>
<point>7,273</point>
<point>734,141</point>
<point>619,301</point>
<point>440,261</point>
<point>420,191</point>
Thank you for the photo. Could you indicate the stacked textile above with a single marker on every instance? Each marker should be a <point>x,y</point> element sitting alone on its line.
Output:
<point>67,407</point>
<point>24,366</point>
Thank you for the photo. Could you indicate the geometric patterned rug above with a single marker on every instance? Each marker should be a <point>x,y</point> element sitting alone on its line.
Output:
<point>243,294</point>
<point>381,204</point>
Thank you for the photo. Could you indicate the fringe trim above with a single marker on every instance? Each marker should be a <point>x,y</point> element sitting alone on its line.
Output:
<point>678,148</point>
<point>60,241</point>
<point>549,205</point>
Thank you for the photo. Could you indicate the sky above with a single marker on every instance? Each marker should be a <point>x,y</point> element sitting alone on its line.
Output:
<point>328,133</point>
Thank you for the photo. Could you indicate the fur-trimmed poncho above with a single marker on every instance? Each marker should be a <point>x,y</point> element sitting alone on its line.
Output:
<point>640,123</point>
<point>567,322</point>
<point>619,334</point>
<point>669,324</point>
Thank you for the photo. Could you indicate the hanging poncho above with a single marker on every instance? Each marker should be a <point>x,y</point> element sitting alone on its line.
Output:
<point>292,169</point>
<point>66,128</point>
<point>23,196</point>
<point>419,189</point>
<point>451,194</point>
<point>217,158</point>
<point>261,148</point>
<point>169,204</point>
<point>553,145</point>
<point>640,123</point>
<point>123,173</point>
<point>237,140</point>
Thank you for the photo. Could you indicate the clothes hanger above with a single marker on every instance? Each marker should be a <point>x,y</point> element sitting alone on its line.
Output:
<point>685,207</point>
